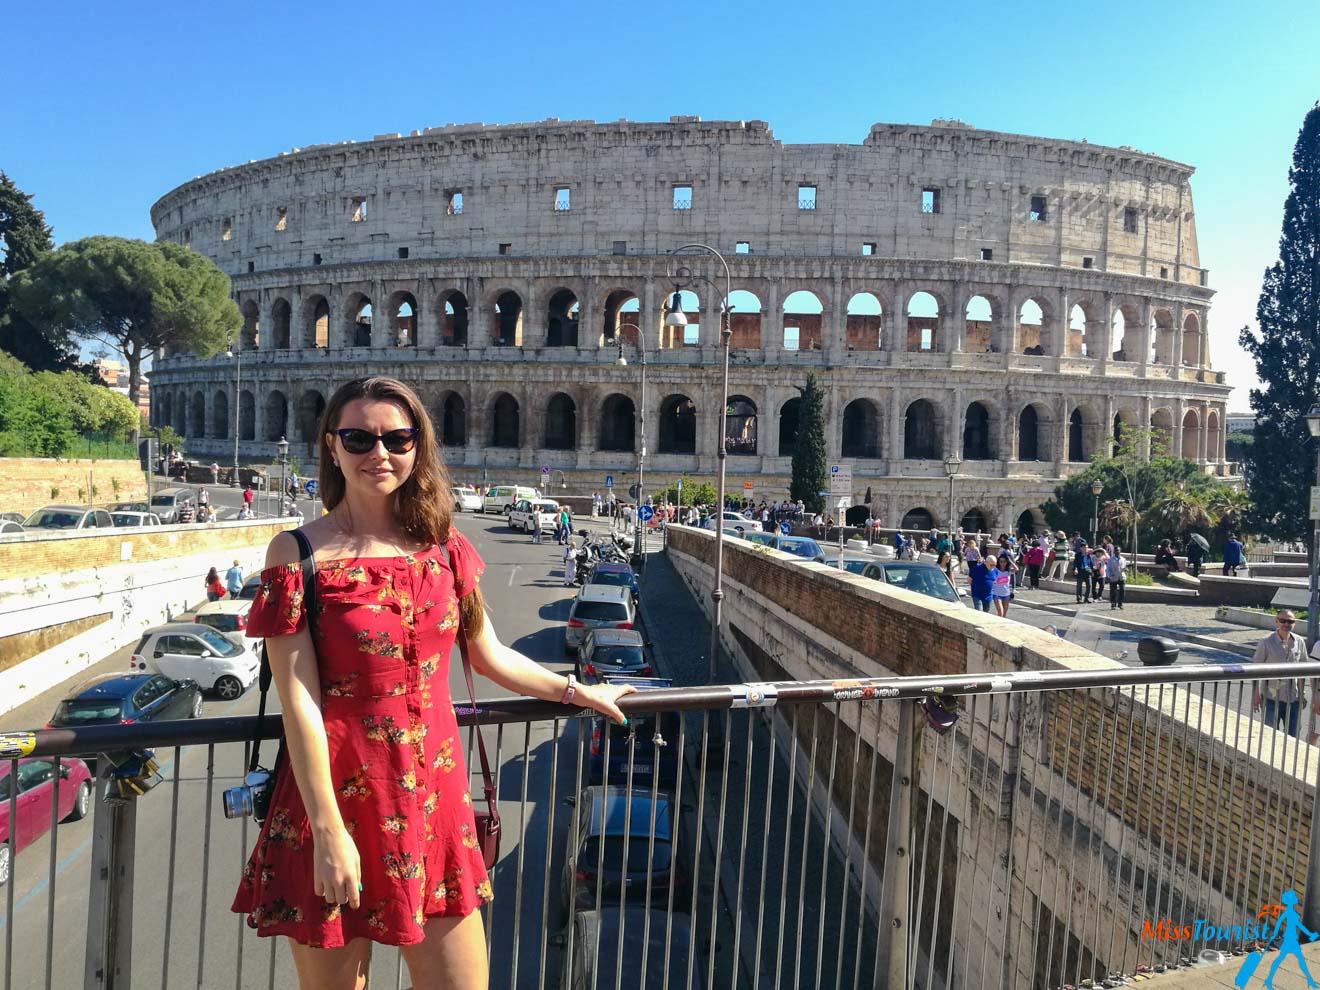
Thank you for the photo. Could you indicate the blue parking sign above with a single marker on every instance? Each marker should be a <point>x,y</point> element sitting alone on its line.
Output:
<point>609,481</point>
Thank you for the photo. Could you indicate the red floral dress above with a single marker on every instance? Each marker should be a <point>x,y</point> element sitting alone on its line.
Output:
<point>383,633</point>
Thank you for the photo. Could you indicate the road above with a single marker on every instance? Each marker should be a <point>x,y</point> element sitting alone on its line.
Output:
<point>188,865</point>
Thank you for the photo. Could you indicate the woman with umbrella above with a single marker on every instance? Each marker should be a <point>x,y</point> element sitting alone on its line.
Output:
<point>1197,548</point>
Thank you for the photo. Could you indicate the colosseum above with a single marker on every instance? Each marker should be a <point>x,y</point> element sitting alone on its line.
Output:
<point>963,295</point>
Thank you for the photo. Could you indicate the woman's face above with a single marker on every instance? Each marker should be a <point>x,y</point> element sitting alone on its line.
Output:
<point>377,472</point>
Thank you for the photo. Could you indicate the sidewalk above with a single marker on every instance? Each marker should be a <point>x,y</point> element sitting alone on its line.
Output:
<point>1289,976</point>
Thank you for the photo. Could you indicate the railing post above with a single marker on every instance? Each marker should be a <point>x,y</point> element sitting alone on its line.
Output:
<point>895,936</point>
<point>110,899</point>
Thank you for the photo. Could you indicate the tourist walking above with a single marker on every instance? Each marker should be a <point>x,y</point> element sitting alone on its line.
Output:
<point>234,580</point>
<point>1116,574</point>
<point>570,563</point>
<point>1035,559</point>
<point>536,526</point>
<point>1001,586</point>
<point>215,588</point>
<point>1100,557</point>
<point>1082,564</point>
<point>1282,698</point>
<point>981,580</point>
<point>1232,555</point>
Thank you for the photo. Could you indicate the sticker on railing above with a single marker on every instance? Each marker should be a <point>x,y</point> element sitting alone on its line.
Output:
<point>1000,685</point>
<point>861,690</point>
<point>753,695</point>
<point>16,744</point>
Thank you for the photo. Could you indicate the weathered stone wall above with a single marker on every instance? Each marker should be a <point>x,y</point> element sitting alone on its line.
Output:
<point>28,483</point>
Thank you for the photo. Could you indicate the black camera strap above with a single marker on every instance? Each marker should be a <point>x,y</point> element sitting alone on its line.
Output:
<point>308,562</point>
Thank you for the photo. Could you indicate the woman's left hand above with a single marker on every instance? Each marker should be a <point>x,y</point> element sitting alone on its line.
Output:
<point>602,698</point>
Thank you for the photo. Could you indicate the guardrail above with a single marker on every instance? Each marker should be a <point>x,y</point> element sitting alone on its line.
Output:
<point>829,835</point>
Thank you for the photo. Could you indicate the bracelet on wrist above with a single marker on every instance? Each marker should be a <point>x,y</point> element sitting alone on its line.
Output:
<point>569,691</point>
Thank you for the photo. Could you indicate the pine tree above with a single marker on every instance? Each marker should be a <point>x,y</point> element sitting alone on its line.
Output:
<point>25,239</point>
<point>809,467</point>
<point>1281,461</point>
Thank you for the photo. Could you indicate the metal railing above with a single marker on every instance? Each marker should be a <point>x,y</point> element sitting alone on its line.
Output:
<point>823,836</point>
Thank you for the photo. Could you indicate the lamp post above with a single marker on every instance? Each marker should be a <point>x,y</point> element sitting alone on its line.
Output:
<point>283,448</point>
<point>563,480</point>
<point>233,352</point>
<point>1097,487</point>
<point>679,274</point>
<point>951,465</point>
<point>1313,603</point>
<point>641,423</point>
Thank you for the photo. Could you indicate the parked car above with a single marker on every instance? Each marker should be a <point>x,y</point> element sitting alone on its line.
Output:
<point>135,518</point>
<point>128,507</point>
<point>613,824</point>
<point>229,616</point>
<point>501,497</point>
<point>114,699</point>
<point>198,653</point>
<point>654,746</point>
<point>597,606</point>
<point>617,574</point>
<point>165,503</point>
<point>520,515</point>
<point>7,527</point>
<point>69,517</point>
<point>732,520</point>
<point>13,517</point>
<point>923,578</point>
<point>799,546</point>
<point>34,784</point>
<point>594,957</point>
<point>612,651</point>
<point>466,499</point>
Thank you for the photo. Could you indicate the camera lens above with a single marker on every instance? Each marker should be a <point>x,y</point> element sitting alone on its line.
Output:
<point>237,801</point>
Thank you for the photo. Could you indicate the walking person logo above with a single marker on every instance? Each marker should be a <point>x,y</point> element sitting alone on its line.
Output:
<point>1287,928</point>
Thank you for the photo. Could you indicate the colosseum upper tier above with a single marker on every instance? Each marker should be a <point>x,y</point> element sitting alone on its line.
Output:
<point>969,295</point>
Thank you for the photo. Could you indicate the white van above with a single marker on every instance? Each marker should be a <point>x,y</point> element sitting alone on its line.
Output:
<point>501,497</point>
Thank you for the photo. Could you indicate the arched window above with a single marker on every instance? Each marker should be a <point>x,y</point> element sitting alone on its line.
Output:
<point>277,415</point>
<point>976,434</point>
<point>1076,453</point>
<point>865,330</point>
<point>1191,436</point>
<point>560,423</point>
<point>1118,336</point>
<point>280,315</point>
<point>788,427</point>
<point>454,330</point>
<point>247,415</point>
<point>918,519</point>
<point>318,324</point>
<point>562,320</point>
<point>504,427</point>
<point>1191,354</point>
<point>1029,447</point>
<point>453,421</point>
<point>745,320</point>
<point>802,321</point>
<point>921,438</point>
<point>678,425</point>
<point>621,307</point>
<point>979,332</point>
<point>197,421</point>
<point>403,320</point>
<point>249,337</point>
<point>181,423</point>
<point>974,521</point>
<point>861,429</point>
<point>310,407</point>
<point>219,416</point>
<point>923,323</point>
<point>1161,424</point>
<point>360,322</point>
<point>1078,345</point>
<point>1161,337</point>
<point>165,410</point>
<point>618,423</point>
<point>1031,328</point>
<point>508,326</point>
<point>740,426</point>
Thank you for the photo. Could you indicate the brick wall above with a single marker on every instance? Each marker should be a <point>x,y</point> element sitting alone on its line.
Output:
<point>26,482</point>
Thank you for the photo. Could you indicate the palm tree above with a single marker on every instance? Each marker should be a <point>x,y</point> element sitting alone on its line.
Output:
<point>1229,506</point>
<point>1181,510</point>
<point>1118,516</point>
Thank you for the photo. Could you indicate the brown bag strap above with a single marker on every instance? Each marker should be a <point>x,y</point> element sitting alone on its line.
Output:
<point>488,781</point>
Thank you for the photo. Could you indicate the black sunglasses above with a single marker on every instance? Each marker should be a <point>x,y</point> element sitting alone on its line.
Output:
<point>1285,622</point>
<point>363,442</point>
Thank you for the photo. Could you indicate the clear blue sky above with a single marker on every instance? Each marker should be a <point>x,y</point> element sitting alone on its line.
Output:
<point>111,105</point>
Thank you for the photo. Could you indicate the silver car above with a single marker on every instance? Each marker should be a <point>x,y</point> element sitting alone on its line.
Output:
<point>597,606</point>
<point>68,517</point>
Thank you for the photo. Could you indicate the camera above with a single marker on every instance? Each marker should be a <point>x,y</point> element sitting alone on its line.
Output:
<point>252,797</point>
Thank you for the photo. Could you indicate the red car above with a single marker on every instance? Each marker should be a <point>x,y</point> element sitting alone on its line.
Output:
<point>36,790</point>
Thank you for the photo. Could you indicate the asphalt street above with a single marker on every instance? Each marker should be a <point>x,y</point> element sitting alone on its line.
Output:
<point>189,856</point>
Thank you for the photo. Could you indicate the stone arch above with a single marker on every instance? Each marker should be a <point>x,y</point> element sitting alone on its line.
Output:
<point>622,306</point>
<point>1124,419</point>
<point>402,319</point>
<point>745,320</point>
<point>981,313</point>
<point>803,319</point>
<point>311,404</point>
<point>678,425</point>
<point>861,430</point>
<point>1191,436</point>
<point>923,437</point>
<point>618,423</point>
<point>277,416</point>
<point>740,426</point>
<point>165,411</point>
<point>197,416</point>
<point>924,310</point>
<point>507,320</point>
<point>1033,433</point>
<point>978,433</point>
<point>1031,521</point>
<point>359,319</point>
<point>1213,439</point>
<point>1191,340</point>
<point>1161,423</point>
<point>505,422</point>
<point>453,420</point>
<point>920,519</point>
<point>316,331</point>
<point>789,418</point>
<point>219,416</point>
<point>181,410</point>
<point>1076,436</point>
<point>975,520</point>
<point>454,324</point>
<point>1123,333</point>
<point>560,423</point>
<point>249,337</point>
<point>864,322</point>
<point>281,319</point>
<point>247,415</point>
<point>1161,337</point>
<point>1035,316</point>
<point>1077,342</point>
<point>561,315</point>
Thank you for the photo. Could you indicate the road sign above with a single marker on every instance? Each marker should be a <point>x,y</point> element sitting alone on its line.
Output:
<point>1315,502</point>
<point>609,481</point>
<point>841,480</point>
<point>785,528</point>
<point>680,484</point>
<point>545,471</point>
<point>633,492</point>
<point>645,512</point>
<point>312,487</point>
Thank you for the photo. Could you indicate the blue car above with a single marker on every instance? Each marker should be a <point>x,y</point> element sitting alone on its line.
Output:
<point>649,758</point>
<point>799,546</point>
<point>116,699</point>
<point>615,573</point>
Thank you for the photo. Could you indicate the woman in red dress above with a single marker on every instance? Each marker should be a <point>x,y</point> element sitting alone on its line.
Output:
<point>371,837</point>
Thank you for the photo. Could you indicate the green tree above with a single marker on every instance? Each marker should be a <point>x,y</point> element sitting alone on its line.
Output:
<point>809,458</point>
<point>694,493</point>
<point>132,296</point>
<point>35,418</point>
<point>25,238</point>
<point>1280,462</point>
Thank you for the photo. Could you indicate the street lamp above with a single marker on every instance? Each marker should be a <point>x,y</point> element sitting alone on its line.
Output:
<point>283,448</point>
<point>1313,603</point>
<point>563,480</point>
<point>679,275</point>
<point>641,420</point>
<point>1097,487</point>
<point>951,465</point>
<point>233,352</point>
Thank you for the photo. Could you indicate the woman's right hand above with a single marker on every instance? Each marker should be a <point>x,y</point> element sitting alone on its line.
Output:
<point>336,867</point>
